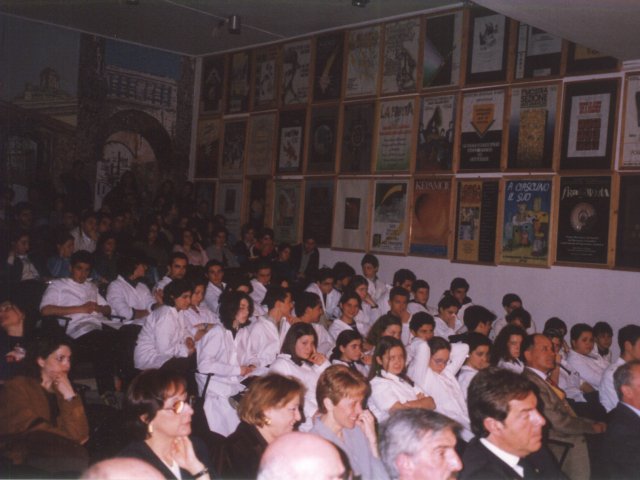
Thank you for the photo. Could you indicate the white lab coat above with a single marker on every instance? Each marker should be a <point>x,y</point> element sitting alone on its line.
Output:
<point>590,367</point>
<point>325,341</point>
<point>331,306</point>
<point>258,293</point>
<point>361,367</point>
<point>124,297</point>
<point>338,326</point>
<point>212,296</point>
<point>445,331</point>
<point>608,396</point>
<point>415,307</point>
<point>378,291</point>
<point>465,375</point>
<point>386,390</point>
<point>162,338</point>
<point>263,343</point>
<point>194,316</point>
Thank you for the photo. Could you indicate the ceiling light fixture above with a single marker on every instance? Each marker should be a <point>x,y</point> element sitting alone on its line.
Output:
<point>234,24</point>
<point>359,3</point>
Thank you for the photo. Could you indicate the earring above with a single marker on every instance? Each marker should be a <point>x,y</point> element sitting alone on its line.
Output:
<point>267,421</point>
<point>149,428</point>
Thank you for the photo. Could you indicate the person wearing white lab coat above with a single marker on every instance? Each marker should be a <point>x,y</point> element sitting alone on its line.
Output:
<point>329,296</point>
<point>629,343</point>
<point>581,358</point>
<point>349,308</point>
<point>506,349</point>
<point>260,283</point>
<point>308,309</point>
<point>349,352</point>
<point>369,309</point>
<point>448,322</point>
<point>198,318</point>
<point>215,286</point>
<point>478,359</point>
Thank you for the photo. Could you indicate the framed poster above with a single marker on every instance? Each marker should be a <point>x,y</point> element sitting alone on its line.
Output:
<point>628,232</point>
<point>476,221</point>
<point>357,138</point>
<point>481,130</point>
<point>442,50</point>
<point>235,134</point>
<point>296,61</point>
<point>208,147</point>
<point>318,211</point>
<point>631,136</point>
<point>538,53</point>
<point>526,222</point>
<point>265,77</point>
<point>206,192</point>
<point>588,127</point>
<point>291,140</point>
<point>328,67</point>
<point>363,61</point>
<point>389,216</point>
<point>262,139</point>
<point>582,60</point>
<point>583,220</point>
<point>351,214</point>
<point>400,61</point>
<point>230,205</point>
<point>532,127</point>
<point>430,217</point>
<point>258,205</point>
<point>488,46</point>
<point>239,76</point>
<point>395,135</point>
<point>212,84</point>
<point>436,133</point>
<point>286,211</point>
<point>323,133</point>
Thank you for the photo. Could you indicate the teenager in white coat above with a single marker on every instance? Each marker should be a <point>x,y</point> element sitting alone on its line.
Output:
<point>506,349</point>
<point>369,310</point>
<point>590,366</point>
<point>447,322</point>
<point>215,286</point>
<point>478,359</point>
<point>349,308</point>
<point>348,352</point>
<point>329,296</point>
<point>199,319</point>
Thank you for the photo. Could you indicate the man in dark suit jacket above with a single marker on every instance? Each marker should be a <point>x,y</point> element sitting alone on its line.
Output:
<point>305,258</point>
<point>508,429</point>
<point>622,439</point>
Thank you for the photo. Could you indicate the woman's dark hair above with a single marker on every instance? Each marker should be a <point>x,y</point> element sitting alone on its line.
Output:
<point>297,331</point>
<point>384,345</point>
<point>350,295</point>
<point>380,325</point>
<point>146,396</point>
<point>500,350</point>
<point>448,301</point>
<point>174,289</point>
<point>578,329</point>
<point>306,300</point>
<point>457,283</point>
<point>344,338</point>
<point>229,307</point>
<point>419,319</point>
<point>42,347</point>
<point>601,328</point>
<point>556,324</point>
<point>438,343</point>
<point>356,281</point>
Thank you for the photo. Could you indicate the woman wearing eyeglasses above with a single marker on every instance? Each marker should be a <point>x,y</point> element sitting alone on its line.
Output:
<point>158,406</point>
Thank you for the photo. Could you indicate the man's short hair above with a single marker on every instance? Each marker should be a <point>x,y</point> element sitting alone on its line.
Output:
<point>325,273</point>
<point>403,275</point>
<point>522,315</point>
<point>489,395</point>
<point>475,340</point>
<point>418,284</point>
<point>179,255</point>
<point>624,376</point>
<point>371,260</point>
<point>275,293</point>
<point>213,263</point>
<point>306,300</point>
<point>476,314</point>
<point>602,328</point>
<point>628,333</point>
<point>398,291</point>
<point>419,319</point>
<point>81,256</point>
<point>509,298</point>
<point>402,431</point>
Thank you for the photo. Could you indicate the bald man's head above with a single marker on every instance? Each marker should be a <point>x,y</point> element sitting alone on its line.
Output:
<point>122,469</point>
<point>301,455</point>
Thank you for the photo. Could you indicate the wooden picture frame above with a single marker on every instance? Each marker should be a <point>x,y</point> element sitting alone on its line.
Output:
<point>538,53</point>
<point>295,76</point>
<point>329,55</point>
<point>394,138</point>
<point>318,210</point>
<point>261,144</point>
<point>322,139</point>
<point>239,84</point>
<point>208,147</point>
<point>233,149</point>
<point>363,61</point>
<point>265,78</point>
<point>351,217</point>
<point>442,50</point>
<point>583,60</point>
<point>205,191</point>
<point>230,205</point>
<point>400,59</point>
<point>389,226</point>
<point>628,229</point>
<point>430,216</point>
<point>212,84</point>
<point>630,148</point>
<point>357,137</point>
<point>488,47</point>
<point>436,137</point>
<point>291,135</point>
<point>286,211</point>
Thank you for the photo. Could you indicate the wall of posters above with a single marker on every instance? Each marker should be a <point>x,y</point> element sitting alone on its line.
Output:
<point>628,238</point>
<point>389,216</point>
<point>233,149</point>
<point>291,140</point>
<point>239,76</point>
<point>538,53</point>
<point>400,62</point>
<point>262,139</point>
<point>296,61</point>
<point>351,214</point>
<point>286,210</point>
<point>211,84</point>
<point>442,50</point>
<point>363,60</point>
<point>265,77</point>
<point>430,217</point>
<point>476,221</point>
<point>532,126</point>
<point>481,130</point>
<point>323,139</point>
<point>526,222</point>
<point>327,84</point>
<point>489,38</point>
<point>581,60</point>
<point>318,211</point>
<point>357,138</point>
<point>208,148</point>
<point>230,205</point>
<point>583,219</point>
<point>436,133</point>
<point>631,137</point>
<point>395,133</point>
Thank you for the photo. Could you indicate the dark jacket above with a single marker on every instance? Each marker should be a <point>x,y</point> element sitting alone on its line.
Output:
<point>622,443</point>
<point>313,264</point>
<point>244,448</point>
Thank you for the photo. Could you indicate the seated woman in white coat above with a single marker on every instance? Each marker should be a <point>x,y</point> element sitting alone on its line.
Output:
<point>506,349</point>
<point>434,370</point>
<point>198,317</point>
<point>300,359</point>
<point>348,352</point>
<point>350,304</point>
<point>478,359</point>
<point>581,358</point>
<point>447,321</point>
<point>391,388</point>
<point>369,310</point>
<point>221,365</point>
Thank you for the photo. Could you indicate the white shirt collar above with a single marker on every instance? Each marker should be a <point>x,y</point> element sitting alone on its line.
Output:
<point>506,457</point>
<point>542,375</point>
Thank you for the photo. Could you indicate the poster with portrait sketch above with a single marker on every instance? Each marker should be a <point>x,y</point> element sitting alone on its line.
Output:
<point>538,53</point>
<point>400,61</point>
<point>295,76</point>
<point>208,147</point>
<point>628,232</point>
<point>291,141</point>
<point>350,219</point>
<point>363,60</point>
<point>583,220</point>
<point>212,83</point>
<point>489,37</point>
<point>389,216</point>
<point>476,221</point>
<point>481,129</point>
<point>239,76</point>
<point>321,156</point>
<point>261,146</point>
<point>442,50</point>
<point>436,133</point>
<point>357,138</point>
<point>286,211</point>
<point>327,83</point>
<point>229,204</point>
<point>532,126</point>
<point>318,211</point>
<point>430,214</point>
<point>631,136</point>
<point>233,149</point>
<point>526,222</point>
<point>265,77</point>
<point>395,135</point>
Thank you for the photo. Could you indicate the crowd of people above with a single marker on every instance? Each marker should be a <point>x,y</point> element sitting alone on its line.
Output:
<point>218,357</point>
